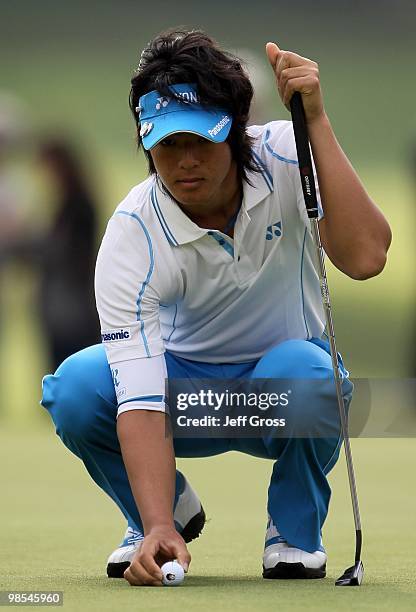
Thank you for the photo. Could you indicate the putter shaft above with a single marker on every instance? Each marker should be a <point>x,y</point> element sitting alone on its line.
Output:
<point>353,575</point>
<point>338,383</point>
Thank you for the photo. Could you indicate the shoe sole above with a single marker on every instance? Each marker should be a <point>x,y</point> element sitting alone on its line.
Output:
<point>293,571</point>
<point>194,527</point>
<point>191,531</point>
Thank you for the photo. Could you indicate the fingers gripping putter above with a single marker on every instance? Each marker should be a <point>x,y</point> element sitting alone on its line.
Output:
<point>352,576</point>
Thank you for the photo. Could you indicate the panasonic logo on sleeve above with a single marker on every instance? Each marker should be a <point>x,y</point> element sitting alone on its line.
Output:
<point>115,335</point>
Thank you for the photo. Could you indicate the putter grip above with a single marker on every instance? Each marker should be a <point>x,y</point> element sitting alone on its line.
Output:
<point>304,155</point>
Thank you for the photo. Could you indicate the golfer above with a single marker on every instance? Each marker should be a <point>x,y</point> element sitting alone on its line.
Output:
<point>206,270</point>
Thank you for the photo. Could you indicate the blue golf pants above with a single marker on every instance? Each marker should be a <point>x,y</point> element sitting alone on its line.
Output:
<point>81,400</point>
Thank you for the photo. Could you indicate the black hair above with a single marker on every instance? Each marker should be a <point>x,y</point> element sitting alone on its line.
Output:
<point>191,56</point>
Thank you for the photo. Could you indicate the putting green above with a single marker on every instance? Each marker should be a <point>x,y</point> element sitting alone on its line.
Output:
<point>57,529</point>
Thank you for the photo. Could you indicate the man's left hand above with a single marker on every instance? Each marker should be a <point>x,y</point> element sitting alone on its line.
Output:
<point>296,73</point>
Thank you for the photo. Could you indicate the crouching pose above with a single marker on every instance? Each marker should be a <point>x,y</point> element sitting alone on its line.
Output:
<point>207,270</point>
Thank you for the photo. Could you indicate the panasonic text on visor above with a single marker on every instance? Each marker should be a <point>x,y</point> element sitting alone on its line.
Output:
<point>217,128</point>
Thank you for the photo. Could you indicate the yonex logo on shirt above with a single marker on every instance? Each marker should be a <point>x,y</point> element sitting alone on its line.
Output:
<point>274,231</point>
<point>116,334</point>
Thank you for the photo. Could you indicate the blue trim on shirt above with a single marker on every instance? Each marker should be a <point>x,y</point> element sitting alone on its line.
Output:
<point>301,284</point>
<point>173,323</point>
<point>222,242</point>
<point>264,170</point>
<point>276,155</point>
<point>149,274</point>
<point>144,398</point>
<point>162,219</point>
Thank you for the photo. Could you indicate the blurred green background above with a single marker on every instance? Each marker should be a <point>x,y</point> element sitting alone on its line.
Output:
<point>70,63</point>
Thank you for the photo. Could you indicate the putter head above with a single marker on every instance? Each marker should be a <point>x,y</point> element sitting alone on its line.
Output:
<point>353,576</point>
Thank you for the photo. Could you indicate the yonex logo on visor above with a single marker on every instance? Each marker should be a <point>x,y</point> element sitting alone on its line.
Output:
<point>189,97</point>
<point>162,115</point>
<point>162,102</point>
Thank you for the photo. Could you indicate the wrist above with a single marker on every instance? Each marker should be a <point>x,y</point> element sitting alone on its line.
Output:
<point>157,526</point>
<point>319,122</point>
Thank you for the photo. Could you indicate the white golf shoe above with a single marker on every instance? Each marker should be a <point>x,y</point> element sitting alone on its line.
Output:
<point>281,560</point>
<point>189,519</point>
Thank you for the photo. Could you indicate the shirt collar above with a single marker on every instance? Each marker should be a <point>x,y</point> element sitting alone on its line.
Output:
<point>178,227</point>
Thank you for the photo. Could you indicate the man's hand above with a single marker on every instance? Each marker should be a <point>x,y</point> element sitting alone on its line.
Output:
<point>296,73</point>
<point>354,233</point>
<point>161,544</point>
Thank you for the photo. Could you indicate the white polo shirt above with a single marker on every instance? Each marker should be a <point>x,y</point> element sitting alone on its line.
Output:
<point>162,282</point>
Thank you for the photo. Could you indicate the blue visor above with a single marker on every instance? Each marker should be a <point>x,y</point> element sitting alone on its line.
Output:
<point>161,116</point>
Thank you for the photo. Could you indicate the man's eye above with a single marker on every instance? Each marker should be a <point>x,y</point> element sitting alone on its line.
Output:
<point>167,142</point>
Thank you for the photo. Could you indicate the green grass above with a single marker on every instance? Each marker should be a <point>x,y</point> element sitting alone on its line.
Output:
<point>57,529</point>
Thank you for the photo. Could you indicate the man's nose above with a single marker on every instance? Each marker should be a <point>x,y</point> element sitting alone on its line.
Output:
<point>189,158</point>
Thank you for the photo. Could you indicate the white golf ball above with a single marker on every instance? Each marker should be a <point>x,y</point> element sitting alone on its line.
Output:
<point>173,573</point>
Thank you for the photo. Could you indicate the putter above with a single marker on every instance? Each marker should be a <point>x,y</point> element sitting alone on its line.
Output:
<point>352,576</point>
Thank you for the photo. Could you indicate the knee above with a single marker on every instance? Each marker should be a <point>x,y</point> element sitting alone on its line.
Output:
<point>295,359</point>
<point>73,393</point>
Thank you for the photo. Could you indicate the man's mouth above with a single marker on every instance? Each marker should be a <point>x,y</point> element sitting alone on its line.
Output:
<point>189,182</point>
<point>194,179</point>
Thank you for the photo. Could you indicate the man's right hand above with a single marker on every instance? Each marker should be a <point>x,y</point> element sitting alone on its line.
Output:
<point>161,544</point>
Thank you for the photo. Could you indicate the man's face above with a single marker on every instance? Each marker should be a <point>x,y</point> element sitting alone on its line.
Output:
<point>197,172</point>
